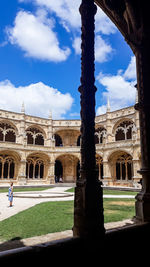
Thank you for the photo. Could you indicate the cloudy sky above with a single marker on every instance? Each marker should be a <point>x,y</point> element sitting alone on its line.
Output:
<point>40,59</point>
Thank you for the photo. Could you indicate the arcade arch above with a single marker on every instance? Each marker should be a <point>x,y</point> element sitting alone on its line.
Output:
<point>121,164</point>
<point>9,162</point>
<point>7,132</point>
<point>37,166</point>
<point>100,134</point>
<point>67,137</point>
<point>124,130</point>
<point>35,136</point>
<point>67,167</point>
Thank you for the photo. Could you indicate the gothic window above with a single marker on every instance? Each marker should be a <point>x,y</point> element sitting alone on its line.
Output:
<point>35,168</point>
<point>10,136</point>
<point>124,131</point>
<point>35,137</point>
<point>100,134</point>
<point>124,167</point>
<point>7,133</point>
<point>7,167</point>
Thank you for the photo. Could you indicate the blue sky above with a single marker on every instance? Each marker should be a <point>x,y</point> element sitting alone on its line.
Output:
<point>40,59</point>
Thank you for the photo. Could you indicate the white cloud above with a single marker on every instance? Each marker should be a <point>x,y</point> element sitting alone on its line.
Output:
<point>77,45</point>
<point>130,72</point>
<point>102,49</point>
<point>67,12</point>
<point>38,98</point>
<point>119,88</point>
<point>35,36</point>
<point>103,24</point>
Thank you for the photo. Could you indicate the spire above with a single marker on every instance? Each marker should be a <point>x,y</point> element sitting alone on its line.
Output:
<point>22,108</point>
<point>50,115</point>
<point>108,105</point>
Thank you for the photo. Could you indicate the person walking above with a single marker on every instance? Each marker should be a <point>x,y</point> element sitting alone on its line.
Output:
<point>10,194</point>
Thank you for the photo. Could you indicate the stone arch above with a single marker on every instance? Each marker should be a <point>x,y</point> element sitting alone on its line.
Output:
<point>123,129</point>
<point>38,127</point>
<point>69,164</point>
<point>37,166</point>
<point>121,163</point>
<point>119,122</point>
<point>35,135</point>
<point>13,126</point>
<point>8,131</point>
<point>68,136</point>
<point>100,134</point>
<point>9,165</point>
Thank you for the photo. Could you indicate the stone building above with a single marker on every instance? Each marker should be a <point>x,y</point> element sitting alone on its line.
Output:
<point>36,150</point>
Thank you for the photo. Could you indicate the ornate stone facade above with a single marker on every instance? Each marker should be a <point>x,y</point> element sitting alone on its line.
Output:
<point>36,150</point>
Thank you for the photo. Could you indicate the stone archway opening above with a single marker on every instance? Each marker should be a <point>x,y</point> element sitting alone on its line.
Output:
<point>121,164</point>
<point>67,167</point>
<point>58,171</point>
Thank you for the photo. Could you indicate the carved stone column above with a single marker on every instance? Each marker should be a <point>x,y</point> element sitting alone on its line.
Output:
<point>143,61</point>
<point>88,205</point>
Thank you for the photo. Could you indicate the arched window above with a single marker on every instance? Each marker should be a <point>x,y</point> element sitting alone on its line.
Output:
<point>35,137</point>
<point>39,140</point>
<point>34,168</point>
<point>29,138</point>
<point>7,133</point>
<point>10,136</point>
<point>124,168</point>
<point>124,131</point>
<point>7,167</point>
<point>58,140</point>
<point>100,134</point>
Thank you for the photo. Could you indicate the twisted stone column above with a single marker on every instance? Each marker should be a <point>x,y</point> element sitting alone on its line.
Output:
<point>88,205</point>
<point>143,61</point>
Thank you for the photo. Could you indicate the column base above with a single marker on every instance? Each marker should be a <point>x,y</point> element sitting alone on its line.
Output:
<point>22,180</point>
<point>88,211</point>
<point>142,207</point>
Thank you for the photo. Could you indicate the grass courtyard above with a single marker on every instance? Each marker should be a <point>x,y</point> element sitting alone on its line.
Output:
<point>56,216</point>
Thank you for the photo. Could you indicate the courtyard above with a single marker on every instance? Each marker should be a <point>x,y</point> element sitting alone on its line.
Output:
<point>46,214</point>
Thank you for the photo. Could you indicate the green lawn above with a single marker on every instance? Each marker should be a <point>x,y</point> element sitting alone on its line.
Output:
<point>23,189</point>
<point>57,216</point>
<point>112,192</point>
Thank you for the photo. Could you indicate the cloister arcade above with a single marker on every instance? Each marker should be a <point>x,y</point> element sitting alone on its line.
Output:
<point>90,237</point>
<point>48,153</point>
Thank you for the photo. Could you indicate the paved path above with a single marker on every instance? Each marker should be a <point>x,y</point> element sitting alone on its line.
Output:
<point>22,203</point>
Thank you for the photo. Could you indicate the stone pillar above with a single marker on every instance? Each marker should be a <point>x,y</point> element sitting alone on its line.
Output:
<point>88,204</point>
<point>51,176</point>
<point>107,180</point>
<point>136,175</point>
<point>22,172</point>
<point>143,85</point>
